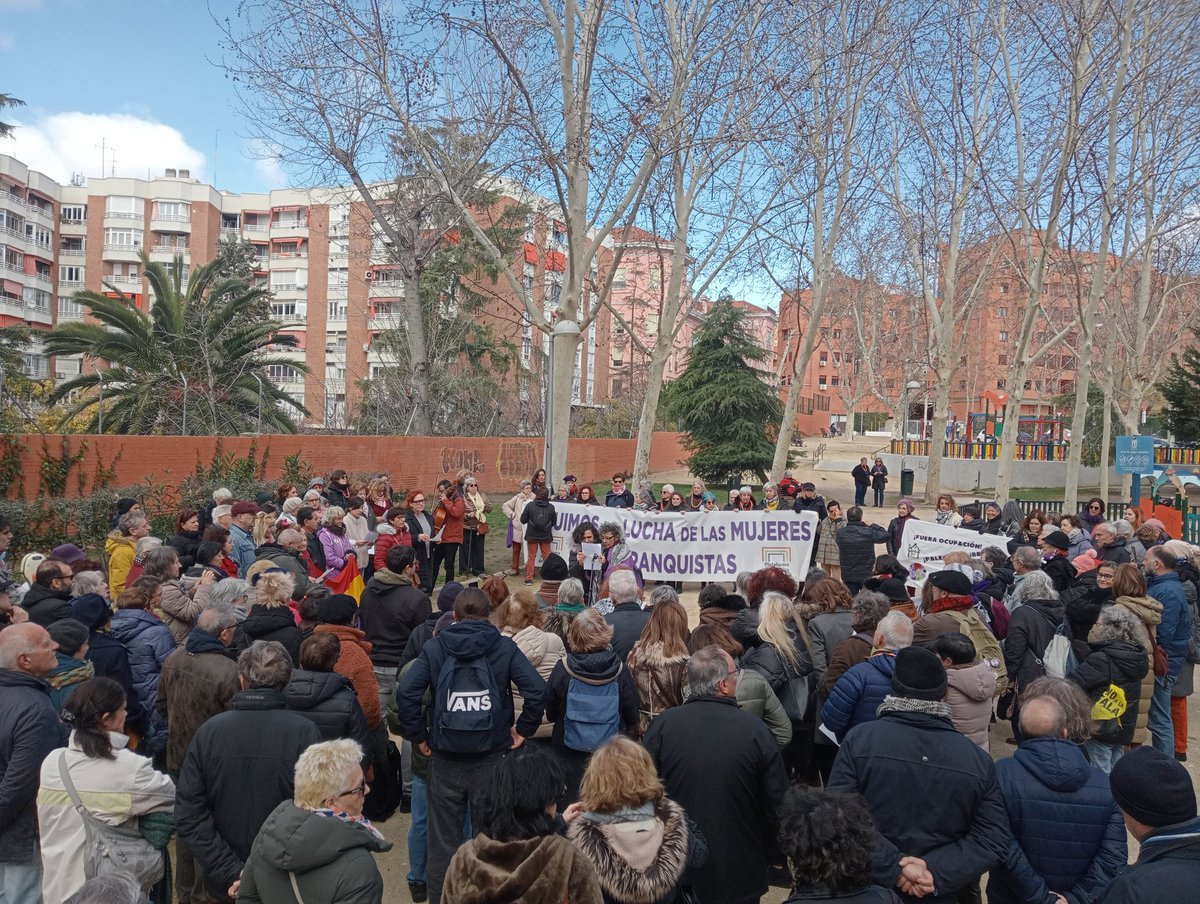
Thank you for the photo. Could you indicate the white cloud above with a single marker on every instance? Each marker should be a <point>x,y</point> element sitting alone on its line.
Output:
<point>61,144</point>
<point>268,165</point>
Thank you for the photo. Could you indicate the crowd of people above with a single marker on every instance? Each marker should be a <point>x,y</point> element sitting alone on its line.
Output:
<point>201,719</point>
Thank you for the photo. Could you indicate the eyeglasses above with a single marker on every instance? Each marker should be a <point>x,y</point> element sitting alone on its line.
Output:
<point>615,482</point>
<point>361,789</point>
<point>415,501</point>
<point>1094,508</point>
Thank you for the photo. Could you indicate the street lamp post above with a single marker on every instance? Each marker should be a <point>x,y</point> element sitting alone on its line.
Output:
<point>908,387</point>
<point>260,398</point>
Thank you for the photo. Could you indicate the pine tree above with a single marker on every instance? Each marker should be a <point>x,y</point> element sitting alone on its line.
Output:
<point>1181,392</point>
<point>723,403</point>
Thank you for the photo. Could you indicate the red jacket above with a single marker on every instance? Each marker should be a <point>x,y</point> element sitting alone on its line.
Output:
<point>456,509</point>
<point>386,541</point>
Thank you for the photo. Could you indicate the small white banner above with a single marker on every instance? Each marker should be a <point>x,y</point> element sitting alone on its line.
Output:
<point>700,546</point>
<point>926,542</point>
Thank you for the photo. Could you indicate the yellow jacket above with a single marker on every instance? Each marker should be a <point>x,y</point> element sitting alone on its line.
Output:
<point>120,552</point>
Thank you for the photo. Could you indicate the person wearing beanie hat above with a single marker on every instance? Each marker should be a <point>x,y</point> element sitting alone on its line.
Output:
<point>69,553</point>
<point>1158,801</point>
<point>1085,562</point>
<point>1052,794</point>
<point>553,572</point>
<point>108,655</point>
<point>897,594</point>
<point>940,817</point>
<point>73,666</point>
<point>1056,547</point>
<point>809,501</point>
<point>335,615</point>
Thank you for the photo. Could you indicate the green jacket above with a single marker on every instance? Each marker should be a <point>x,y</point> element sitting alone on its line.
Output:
<point>331,859</point>
<point>755,696</point>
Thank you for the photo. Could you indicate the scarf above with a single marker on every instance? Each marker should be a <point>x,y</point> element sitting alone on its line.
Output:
<point>893,704</point>
<point>944,517</point>
<point>74,675</point>
<point>744,506</point>
<point>351,820</point>
<point>952,603</point>
<point>625,814</point>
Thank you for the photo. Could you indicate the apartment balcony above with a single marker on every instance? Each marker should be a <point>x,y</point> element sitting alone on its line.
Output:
<point>45,214</point>
<point>13,268</point>
<point>255,229</point>
<point>124,282</point>
<point>72,252</point>
<point>15,238</point>
<point>121,216</point>
<point>387,288</point>
<point>231,230</point>
<point>289,255</point>
<point>66,316</point>
<point>166,253</point>
<point>71,285</point>
<point>299,229</point>
<point>127,253</point>
<point>42,278</point>
<point>385,321</point>
<point>72,227</point>
<point>170,223</point>
<point>290,291</point>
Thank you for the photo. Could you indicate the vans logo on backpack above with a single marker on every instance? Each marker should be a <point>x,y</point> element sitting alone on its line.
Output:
<point>469,701</point>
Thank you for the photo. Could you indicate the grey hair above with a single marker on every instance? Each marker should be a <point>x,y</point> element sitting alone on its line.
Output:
<point>265,664</point>
<point>983,567</point>
<point>705,670</point>
<point>1122,528</point>
<point>228,592</point>
<point>663,593</point>
<point>744,490</point>
<point>324,770</point>
<point>220,512</point>
<point>622,586</point>
<point>769,486</point>
<point>144,545</point>
<point>869,608</point>
<point>130,520</point>
<point>612,527</point>
<point>896,628</point>
<point>993,555</point>
<point>1037,585</point>
<point>1027,556</point>
<point>115,888</point>
<point>288,535</point>
<point>158,561</point>
<point>213,619</point>
<point>1118,623</point>
<point>334,511</point>
<point>89,582</point>
<point>224,494</point>
<point>571,591</point>
<point>668,488</point>
<point>741,584</point>
<point>293,504</point>
<point>528,483</point>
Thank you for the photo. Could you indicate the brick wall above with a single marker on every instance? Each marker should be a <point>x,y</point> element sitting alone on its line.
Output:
<point>499,462</point>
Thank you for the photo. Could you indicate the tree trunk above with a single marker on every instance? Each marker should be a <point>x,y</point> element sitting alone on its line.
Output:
<point>937,437</point>
<point>561,383</point>
<point>649,414</point>
<point>1110,350</point>
<point>1083,384</point>
<point>418,360</point>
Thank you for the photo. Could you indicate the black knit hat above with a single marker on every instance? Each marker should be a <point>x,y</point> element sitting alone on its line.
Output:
<point>1057,539</point>
<point>447,595</point>
<point>338,609</point>
<point>919,675</point>
<point>1153,788</point>
<point>70,634</point>
<point>951,581</point>
<point>91,610</point>
<point>894,590</point>
<point>554,568</point>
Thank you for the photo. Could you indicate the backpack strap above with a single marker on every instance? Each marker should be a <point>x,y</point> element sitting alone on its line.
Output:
<point>295,887</point>
<point>65,775</point>
<point>620,668</point>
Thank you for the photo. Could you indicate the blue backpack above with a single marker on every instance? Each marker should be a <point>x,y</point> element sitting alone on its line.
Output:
<point>466,706</point>
<point>593,713</point>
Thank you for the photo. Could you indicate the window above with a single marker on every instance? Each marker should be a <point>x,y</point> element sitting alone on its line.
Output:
<point>1002,359</point>
<point>834,381</point>
<point>1002,313</point>
<point>283,309</point>
<point>337,310</point>
<point>121,205</point>
<point>962,384</point>
<point>1000,384</point>
<point>652,324</point>
<point>655,277</point>
<point>172,210</point>
<point>339,278</point>
<point>73,213</point>
<point>824,359</point>
<point>822,383</point>
<point>38,234</point>
<point>837,334</point>
<point>281,373</point>
<point>68,309</point>
<point>619,277</point>
<point>1003,335</point>
<point>837,359</point>
<point>37,299</point>
<point>68,274</point>
<point>1003,288</point>
<point>1028,385</point>
<point>122,238</point>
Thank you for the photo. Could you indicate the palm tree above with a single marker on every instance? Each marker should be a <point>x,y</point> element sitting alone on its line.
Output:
<point>194,364</point>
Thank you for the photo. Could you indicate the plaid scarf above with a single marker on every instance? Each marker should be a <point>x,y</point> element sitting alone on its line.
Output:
<point>892,704</point>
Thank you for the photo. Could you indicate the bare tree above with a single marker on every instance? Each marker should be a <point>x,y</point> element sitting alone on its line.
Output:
<point>832,102</point>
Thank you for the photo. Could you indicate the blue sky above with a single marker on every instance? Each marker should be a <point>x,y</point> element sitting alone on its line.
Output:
<point>138,75</point>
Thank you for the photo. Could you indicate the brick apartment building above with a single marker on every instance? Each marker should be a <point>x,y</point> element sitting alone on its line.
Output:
<point>873,340</point>
<point>327,266</point>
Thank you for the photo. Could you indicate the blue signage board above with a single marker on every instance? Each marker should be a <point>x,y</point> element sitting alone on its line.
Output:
<point>1135,454</point>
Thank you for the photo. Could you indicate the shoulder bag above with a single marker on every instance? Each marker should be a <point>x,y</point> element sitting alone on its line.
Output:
<point>112,850</point>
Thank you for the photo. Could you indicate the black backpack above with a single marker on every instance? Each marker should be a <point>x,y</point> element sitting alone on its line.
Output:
<point>466,706</point>
<point>541,516</point>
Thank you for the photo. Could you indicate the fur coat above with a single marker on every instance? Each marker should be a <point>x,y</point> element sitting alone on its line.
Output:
<point>640,860</point>
<point>543,870</point>
<point>659,681</point>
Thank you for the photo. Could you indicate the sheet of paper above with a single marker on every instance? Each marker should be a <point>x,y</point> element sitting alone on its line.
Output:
<point>591,556</point>
<point>829,734</point>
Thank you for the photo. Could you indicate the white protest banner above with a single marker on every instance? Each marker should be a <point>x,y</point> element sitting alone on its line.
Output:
<point>927,542</point>
<point>700,546</point>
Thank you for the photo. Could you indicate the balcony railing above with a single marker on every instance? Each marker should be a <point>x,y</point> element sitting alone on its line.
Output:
<point>72,252</point>
<point>40,277</point>
<point>70,283</point>
<point>132,249</point>
<point>231,230</point>
<point>173,217</point>
<point>124,280</point>
<point>255,228</point>
<point>171,249</point>
<point>124,215</point>
<point>46,213</point>
<point>289,255</point>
